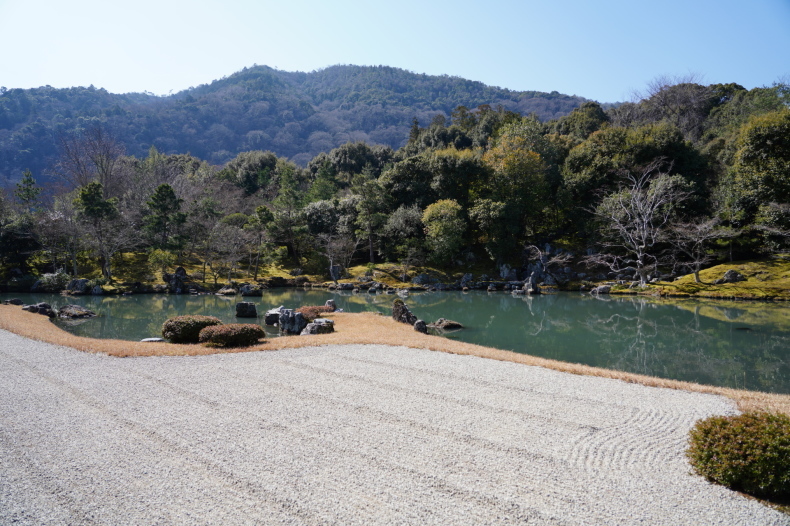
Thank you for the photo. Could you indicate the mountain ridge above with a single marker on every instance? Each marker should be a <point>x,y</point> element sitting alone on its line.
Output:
<point>294,114</point>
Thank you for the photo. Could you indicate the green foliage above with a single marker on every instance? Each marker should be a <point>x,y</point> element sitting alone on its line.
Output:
<point>160,260</point>
<point>164,218</point>
<point>231,334</point>
<point>748,452</point>
<point>27,191</point>
<point>445,228</point>
<point>92,205</point>
<point>186,329</point>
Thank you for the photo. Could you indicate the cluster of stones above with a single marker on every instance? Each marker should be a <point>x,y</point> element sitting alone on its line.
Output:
<point>291,322</point>
<point>401,313</point>
<point>45,309</point>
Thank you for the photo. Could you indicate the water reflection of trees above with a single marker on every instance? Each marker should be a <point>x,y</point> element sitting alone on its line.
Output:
<point>695,341</point>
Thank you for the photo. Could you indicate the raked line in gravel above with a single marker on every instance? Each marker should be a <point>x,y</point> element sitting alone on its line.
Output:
<point>345,435</point>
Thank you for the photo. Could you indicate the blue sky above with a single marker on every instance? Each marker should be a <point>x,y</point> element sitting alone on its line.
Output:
<point>602,50</point>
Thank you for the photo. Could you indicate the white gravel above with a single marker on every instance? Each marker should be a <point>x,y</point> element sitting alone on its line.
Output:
<point>344,435</point>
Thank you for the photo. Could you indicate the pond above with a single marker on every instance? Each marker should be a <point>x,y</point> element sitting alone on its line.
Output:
<point>745,345</point>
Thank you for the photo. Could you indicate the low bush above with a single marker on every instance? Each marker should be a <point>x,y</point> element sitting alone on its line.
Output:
<point>311,312</point>
<point>748,452</point>
<point>186,329</point>
<point>232,334</point>
<point>53,282</point>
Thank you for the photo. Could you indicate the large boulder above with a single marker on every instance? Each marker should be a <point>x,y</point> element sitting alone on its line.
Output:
<point>319,326</point>
<point>75,312</point>
<point>331,304</point>
<point>291,322</point>
<point>272,316</point>
<point>401,313</point>
<point>446,325</point>
<point>601,289</point>
<point>245,309</point>
<point>77,286</point>
<point>227,290</point>
<point>13,301</point>
<point>731,276</point>
<point>251,290</point>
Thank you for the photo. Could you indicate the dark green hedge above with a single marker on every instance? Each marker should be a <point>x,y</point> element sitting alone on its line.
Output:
<point>186,329</point>
<point>232,334</point>
<point>748,452</point>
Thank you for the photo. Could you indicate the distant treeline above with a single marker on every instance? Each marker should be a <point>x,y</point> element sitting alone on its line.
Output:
<point>295,115</point>
<point>687,175</point>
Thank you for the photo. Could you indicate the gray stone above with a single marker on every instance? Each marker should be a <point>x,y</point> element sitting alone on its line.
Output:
<point>273,316</point>
<point>420,326</point>
<point>97,291</point>
<point>78,286</point>
<point>401,313</point>
<point>319,326</point>
<point>602,289</point>
<point>331,303</point>
<point>227,291</point>
<point>14,301</point>
<point>446,325</point>
<point>291,322</point>
<point>75,311</point>
<point>245,309</point>
<point>731,276</point>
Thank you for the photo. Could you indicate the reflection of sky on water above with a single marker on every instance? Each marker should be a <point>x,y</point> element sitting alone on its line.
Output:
<point>743,345</point>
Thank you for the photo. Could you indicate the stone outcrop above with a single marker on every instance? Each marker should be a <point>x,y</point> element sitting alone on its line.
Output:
<point>75,312</point>
<point>272,316</point>
<point>601,289</point>
<point>401,313</point>
<point>291,322</point>
<point>731,276</point>
<point>227,291</point>
<point>319,326</point>
<point>77,286</point>
<point>245,309</point>
<point>446,325</point>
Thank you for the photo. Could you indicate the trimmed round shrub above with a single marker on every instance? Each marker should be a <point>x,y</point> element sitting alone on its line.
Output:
<point>311,312</point>
<point>232,334</point>
<point>186,329</point>
<point>748,452</point>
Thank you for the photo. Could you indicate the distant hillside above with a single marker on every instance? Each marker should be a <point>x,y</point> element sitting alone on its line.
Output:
<point>296,115</point>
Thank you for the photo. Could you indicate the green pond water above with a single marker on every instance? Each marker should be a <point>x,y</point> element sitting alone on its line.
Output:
<point>745,345</point>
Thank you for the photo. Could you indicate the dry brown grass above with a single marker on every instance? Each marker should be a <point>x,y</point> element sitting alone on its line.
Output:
<point>364,328</point>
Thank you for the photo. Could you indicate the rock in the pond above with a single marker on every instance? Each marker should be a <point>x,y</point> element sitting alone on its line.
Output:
<point>227,291</point>
<point>13,301</point>
<point>319,326</point>
<point>273,316</point>
<point>446,325</point>
<point>331,304</point>
<point>602,289</point>
<point>75,311</point>
<point>246,309</point>
<point>420,326</point>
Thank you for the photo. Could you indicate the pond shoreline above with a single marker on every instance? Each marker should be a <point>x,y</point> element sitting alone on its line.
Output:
<point>366,328</point>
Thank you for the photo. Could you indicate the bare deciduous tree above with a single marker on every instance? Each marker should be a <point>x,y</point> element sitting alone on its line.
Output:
<point>91,155</point>
<point>691,243</point>
<point>634,218</point>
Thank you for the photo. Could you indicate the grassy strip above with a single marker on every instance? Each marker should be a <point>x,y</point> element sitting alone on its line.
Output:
<point>365,328</point>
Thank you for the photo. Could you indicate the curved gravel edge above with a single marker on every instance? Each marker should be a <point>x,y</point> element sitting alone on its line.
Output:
<point>345,434</point>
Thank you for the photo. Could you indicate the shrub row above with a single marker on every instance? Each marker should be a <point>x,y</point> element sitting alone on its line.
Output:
<point>232,334</point>
<point>186,329</point>
<point>749,452</point>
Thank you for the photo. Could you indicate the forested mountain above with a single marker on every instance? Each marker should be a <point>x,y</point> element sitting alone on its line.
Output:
<point>295,115</point>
